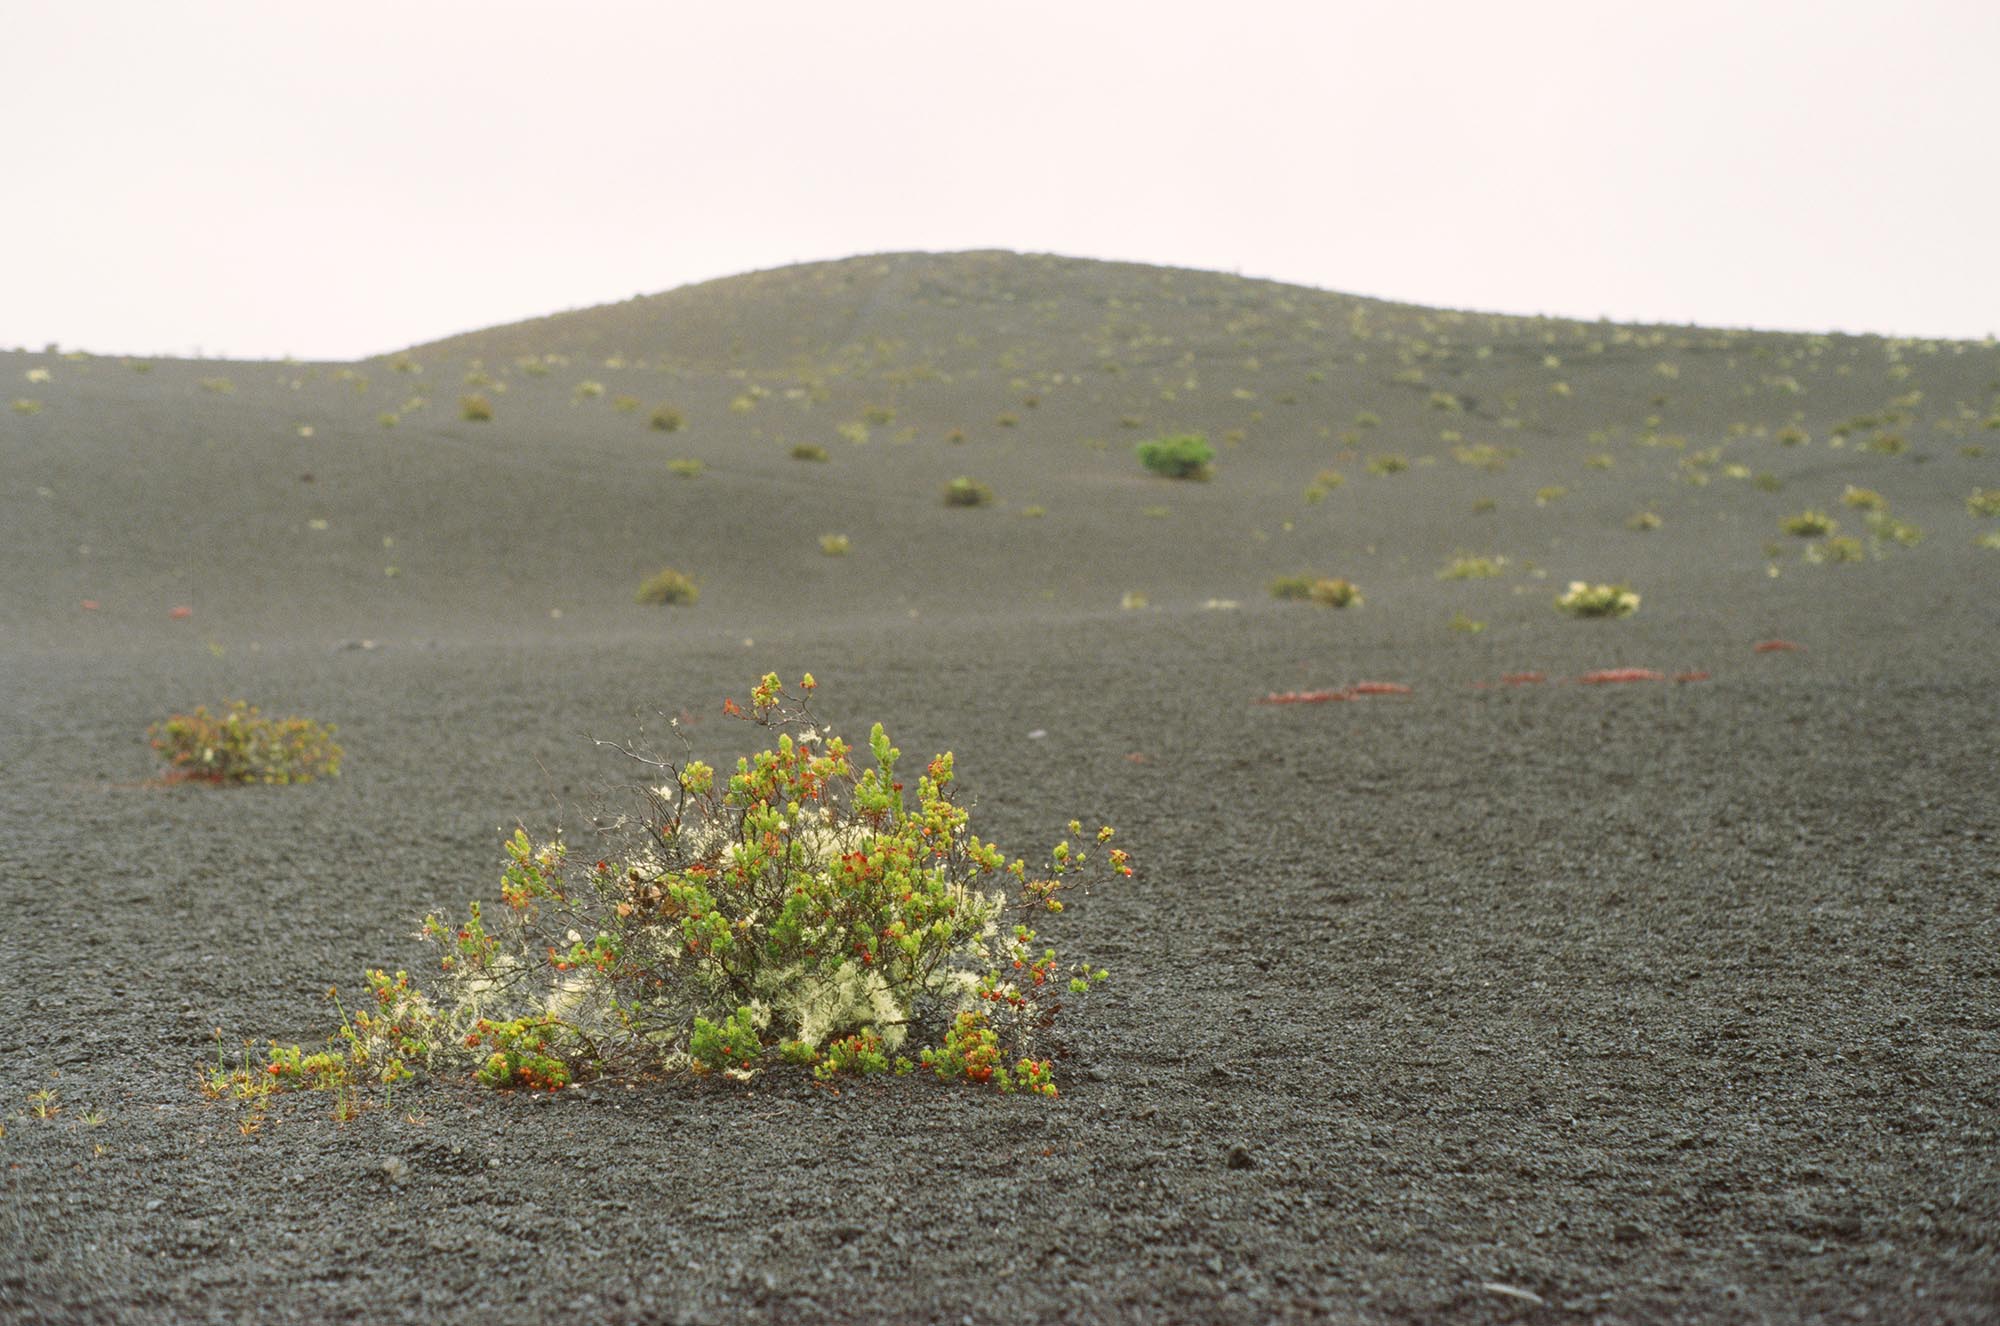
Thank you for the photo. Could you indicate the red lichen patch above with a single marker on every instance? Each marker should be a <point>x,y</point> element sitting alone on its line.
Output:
<point>90,605</point>
<point>1378,688</point>
<point>1777,647</point>
<point>1303,697</point>
<point>1612,676</point>
<point>1690,676</point>
<point>182,613</point>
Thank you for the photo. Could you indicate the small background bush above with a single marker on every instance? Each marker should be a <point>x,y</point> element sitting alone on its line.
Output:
<point>967,492</point>
<point>669,586</point>
<point>242,746</point>
<point>1185,457</point>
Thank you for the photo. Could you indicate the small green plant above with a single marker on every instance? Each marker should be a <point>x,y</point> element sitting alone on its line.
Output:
<point>1388,463</point>
<point>812,451</point>
<point>1292,587</point>
<point>1864,499</point>
<point>240,745</point>
<point>1644,521</point>
<point>879,415</point>
<point>967,492</point>
<point>587,391</point>
<point>1587,600</point>
<point>1837,550</point>
<point>834,545</point>
<point>217,386</point>
<point>1187,456</point>
<point>388,419</point>
<point>625,404</point>
<point>1333,592</point>
<point>686,467</point>
<point>1554,492</point>
<point>1791,435</point>
<point>1809,524</point>
<point>1465,625</point>
<point>666,419</point>
<point>1481,456</point>
<point>669,586</point>
<point>1888,529</point>
<point>1984,502</point>
<point>475,409</point>
<point>1467,566</point>
<point>23,405</point>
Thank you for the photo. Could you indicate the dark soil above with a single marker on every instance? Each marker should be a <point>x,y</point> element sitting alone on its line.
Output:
<point>1623,1003</point>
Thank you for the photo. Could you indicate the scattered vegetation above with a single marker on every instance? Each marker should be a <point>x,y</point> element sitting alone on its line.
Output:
<point>834,545</point>
<point>240,745</point>
<point>686,467</point>
<point>475,409</point>
<point>1643,521</point>
<point>1327,591</point>
<point>1984,502</point>
<point>1467,566</point>
<point>809,451</point>
<point>666,419</point>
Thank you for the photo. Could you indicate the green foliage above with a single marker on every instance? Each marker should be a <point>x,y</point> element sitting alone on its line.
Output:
<point>242,746</point>
<point>667,419</point>
<point>1984,502</point>
<point>669,586</point>
<point>809,451</point>
<point>967,492</point>
<point>1388,463</point>
<point>834,545</point>
<point>1643,521</point>
<point>1467,566</point>
<point>1809,524</point>
<point>686,467</point>
<point>1187,456</point>
<point>1864,499</point>
<point>1587,600</point>
<point>811,908</point>
<point>475,409</point>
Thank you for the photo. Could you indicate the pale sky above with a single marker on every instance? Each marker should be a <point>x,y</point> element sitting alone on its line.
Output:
<point>261,177</point>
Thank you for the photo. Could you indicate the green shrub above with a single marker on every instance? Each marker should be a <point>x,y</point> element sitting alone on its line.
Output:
<point>687,467</point>
<point>1466,566</point>
<point>242,746</point>
<point>1187,456</point>
<point>1587,600</point>
<point>1809,524</point>
<point>1388,463</point>
<point>967,492</point>
<point>806,910</point>
<point>1864,499</point>
<point>1984,502</point>
<point>1292,587</point>
<point>475,409</point>
<point>834,545</point>
<point>669,586</point>
<point>667,419</point>
<point>1840,549</point>
<point>809,451</point>
<point>1333,592</point>
<point>1643,521</point>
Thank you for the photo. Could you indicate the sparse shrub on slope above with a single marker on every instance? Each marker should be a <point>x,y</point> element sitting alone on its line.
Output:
<point>240,745</point>
<point>967,492</point>
<point>1185,457</point>
<point>475,409</point>
<point>807,909</point>
<point>668,586</point>
<point>1587,600</point>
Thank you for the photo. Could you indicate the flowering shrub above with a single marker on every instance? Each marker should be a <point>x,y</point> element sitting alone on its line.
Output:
<point>802,910</point>
<point>1587,600</point>
<point>242,746</point>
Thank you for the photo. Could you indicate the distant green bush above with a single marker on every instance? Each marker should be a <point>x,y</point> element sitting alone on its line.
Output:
<point>1328,591</point>
<point>1809,524</point>
<point>809,451</point>
<point>475,409</point>
<point>967,492</point>
<point>687,467</point>
<point>1187,456</point>
<point>667,419</point>
<point>242,746</point>
<point>1587,600</point>
<point>668,586</point>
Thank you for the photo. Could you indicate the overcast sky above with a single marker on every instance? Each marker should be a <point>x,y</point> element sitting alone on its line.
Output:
<point>332,180</point>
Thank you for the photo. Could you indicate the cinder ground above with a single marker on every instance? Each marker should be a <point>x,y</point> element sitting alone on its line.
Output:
<point>1654,1002</point>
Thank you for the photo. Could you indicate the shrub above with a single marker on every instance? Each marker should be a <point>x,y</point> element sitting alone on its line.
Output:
<point>1187,456</point>
<point>625,404</point>
<point>218,386</point>
<point>1554,492</point>
<point>1466,566</point>
<point>1388,463</point>
<point>809,451</point>
<point>1841,549</point>
<point>1984,502</point>
<point>1886,527</point>
<point>1864,499</point>
<point>1480,455</point>
<point>587,391</point>
<point>687,467</point>
<point>967,492</point>
<point>475,409</point>
<point>1644,520</point>
<point>1791,435</point>
<point>1809,524</point>
<point>667,419</point>
<point>803,911</point>
<point>834,545</point>
<point>25,405</point>
<point>1292,587</point>
<point>242,746</point>
<point>1333,592</point>
<point>1587,600</point>
<point>669,586</point>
